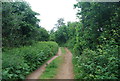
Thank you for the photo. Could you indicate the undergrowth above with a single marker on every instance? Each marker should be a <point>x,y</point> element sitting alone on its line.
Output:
<point>19,62</point>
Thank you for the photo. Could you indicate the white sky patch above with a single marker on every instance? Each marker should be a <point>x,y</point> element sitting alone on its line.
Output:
<point>51,10</point>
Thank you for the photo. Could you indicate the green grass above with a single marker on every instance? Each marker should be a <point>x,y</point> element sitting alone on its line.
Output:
<point>52,68</point>
<point>63,50</point>
<point>75,69</point>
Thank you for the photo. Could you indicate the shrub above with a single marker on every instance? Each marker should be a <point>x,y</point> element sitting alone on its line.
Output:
<point>19,62</point>
<point>101,63</point>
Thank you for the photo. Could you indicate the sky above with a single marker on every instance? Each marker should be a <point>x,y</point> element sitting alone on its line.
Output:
<point>51,10</point>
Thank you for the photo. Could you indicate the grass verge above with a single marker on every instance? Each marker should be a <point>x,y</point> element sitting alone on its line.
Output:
<point>75,69</point>
<point>63,50</point>
<point>52,68</point>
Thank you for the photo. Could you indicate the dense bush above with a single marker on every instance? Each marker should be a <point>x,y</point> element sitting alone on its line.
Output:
<point>100,64</point>
<point>19,62</point>
<point>97,40</point>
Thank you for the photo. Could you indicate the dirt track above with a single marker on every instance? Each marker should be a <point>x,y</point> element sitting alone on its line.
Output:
<point>39,71</point>
<point>66,69</point>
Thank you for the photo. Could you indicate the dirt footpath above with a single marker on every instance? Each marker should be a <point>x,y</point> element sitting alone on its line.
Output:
<point>66,69</point>
<point>39,71</point>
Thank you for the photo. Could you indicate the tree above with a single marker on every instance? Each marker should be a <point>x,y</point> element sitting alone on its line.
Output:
<point>60,22</point>
<point>97,40</point>
<point>20,25</point>
<point>42,34</point>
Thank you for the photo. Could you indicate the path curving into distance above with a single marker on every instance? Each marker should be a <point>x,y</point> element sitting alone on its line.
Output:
<point>66,69</point>
<point>35,75</point>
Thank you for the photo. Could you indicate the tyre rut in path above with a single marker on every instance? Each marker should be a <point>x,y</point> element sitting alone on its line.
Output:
<point>35,75</point>
<point>66,69</point>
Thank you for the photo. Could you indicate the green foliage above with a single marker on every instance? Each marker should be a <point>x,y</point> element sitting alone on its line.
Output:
<point>63,50</point>
<point>19,62</point>
<point>96,47</point>
<point>20,25</point>
<point>60,22</point>
<point>94,40</point>
<point>64,33</point>
<point>42,35</point>
<point>51,69</point>
<point>61,35</point>
<point>99,64</point>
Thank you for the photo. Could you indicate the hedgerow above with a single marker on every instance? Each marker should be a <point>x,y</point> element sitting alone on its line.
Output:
<point>19,62</point>
<point>97,64</point>
<point>97,41</point>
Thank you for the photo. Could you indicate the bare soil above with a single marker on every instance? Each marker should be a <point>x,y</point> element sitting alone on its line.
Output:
<point>35,75</point>
<point>66,69</point>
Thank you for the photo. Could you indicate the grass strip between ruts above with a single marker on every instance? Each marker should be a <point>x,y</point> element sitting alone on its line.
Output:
<point>52,68</point>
